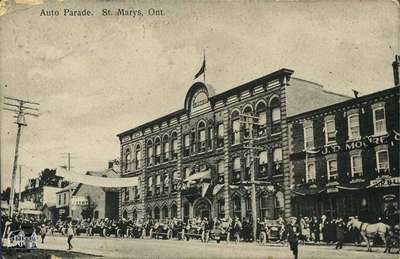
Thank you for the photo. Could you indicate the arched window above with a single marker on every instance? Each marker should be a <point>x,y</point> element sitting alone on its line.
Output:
<point>236,170</point>
<point>237,208</point>
<point>149,153</point>
<point>157,147</point>
<point>263,163</point>
<point>174,211</point>
<point>174,144</point>
<point>201,131</point>
<point>247,111</point>
<point>235,127</point>
<point>157,213</point>
<point>128,160</point>
<point>165,148</point>
<point>164,212</point>
<point>138,157</point>
<point>261,113</point>
<point>275,115</point>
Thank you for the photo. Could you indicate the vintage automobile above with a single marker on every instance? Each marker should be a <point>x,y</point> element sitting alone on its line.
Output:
<point>271,230</point>
<point>161,231</point>
<point>192,229</point>
<point>221,232</point>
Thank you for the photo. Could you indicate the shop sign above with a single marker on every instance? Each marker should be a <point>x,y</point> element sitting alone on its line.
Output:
<point>365,142</point>
<point>386,182</point>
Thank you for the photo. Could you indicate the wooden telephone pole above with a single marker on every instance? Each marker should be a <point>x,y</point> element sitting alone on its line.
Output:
<point>19,107</point>
<point>250,121</point>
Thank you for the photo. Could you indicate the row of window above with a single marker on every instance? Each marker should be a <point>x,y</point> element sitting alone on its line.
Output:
<point>202,139</point>
<point>382,166</point>
<point>161,184</point>
<point>353,122</point>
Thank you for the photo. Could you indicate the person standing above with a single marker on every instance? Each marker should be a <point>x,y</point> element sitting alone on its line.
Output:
<point>70,233</point>
<point>43,232</point>
<point>339,234</point>
<point>293,237</point>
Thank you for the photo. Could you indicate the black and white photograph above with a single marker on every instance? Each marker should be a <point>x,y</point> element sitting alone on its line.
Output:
<point>200,129</point>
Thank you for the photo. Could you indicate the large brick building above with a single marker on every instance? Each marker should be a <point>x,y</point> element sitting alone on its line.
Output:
<point>194,162</point>
<point>345,157</point>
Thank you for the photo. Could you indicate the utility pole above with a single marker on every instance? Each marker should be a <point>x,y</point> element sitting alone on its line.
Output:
<point>18,106</point>
<point>19,188</point>
<point>248,121</point>
<point>69,156</point>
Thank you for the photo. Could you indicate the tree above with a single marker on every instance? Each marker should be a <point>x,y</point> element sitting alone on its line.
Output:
<point>48,177</point>
<point>5,194</point>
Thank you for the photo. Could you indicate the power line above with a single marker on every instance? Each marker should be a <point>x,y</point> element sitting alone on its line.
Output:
<point>18,107</point>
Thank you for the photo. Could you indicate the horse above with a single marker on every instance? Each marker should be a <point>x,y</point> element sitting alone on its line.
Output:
<point>369,231</point>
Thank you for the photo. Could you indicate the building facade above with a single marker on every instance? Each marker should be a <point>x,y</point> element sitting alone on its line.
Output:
<point>89,201</point>
<point>344,158</point>
<point>196,161</point>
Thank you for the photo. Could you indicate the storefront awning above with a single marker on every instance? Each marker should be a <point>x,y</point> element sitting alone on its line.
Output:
<point>199,175</point>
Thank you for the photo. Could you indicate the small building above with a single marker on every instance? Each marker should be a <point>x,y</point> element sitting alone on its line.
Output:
<point>89,201</point>
<point>63,207</point>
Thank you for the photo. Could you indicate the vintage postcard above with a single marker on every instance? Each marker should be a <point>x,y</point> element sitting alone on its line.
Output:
<point>200,129</point>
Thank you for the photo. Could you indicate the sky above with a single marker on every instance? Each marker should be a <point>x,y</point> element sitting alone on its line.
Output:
<point>95,77</point>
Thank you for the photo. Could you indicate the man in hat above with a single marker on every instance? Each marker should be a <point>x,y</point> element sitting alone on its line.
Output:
<point>43,231</point>
<point>293,232</point>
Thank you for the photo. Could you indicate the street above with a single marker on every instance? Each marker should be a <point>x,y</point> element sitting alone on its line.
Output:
<point>150,248</point>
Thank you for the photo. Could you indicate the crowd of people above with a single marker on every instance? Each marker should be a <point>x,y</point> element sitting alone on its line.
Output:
<point>292,230</point>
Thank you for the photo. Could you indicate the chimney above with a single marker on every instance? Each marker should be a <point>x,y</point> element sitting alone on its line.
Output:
<point>396,64</point>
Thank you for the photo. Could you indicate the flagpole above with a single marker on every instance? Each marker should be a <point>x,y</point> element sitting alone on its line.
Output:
<point>205,67</point>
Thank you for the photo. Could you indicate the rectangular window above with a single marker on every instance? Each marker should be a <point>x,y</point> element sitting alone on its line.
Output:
<point>236,170</point>
<point>382,162</point>
<point>276,114</point>
<point>193,142</point>
<point>186,143</point>
<point>278,161</point>
<point>220,135</point>
<point>354,126</point>
<point>332,169</point>
<point>330,131</point>
<point>263,163</point>
<point>379,121</point>
<point>221,171</point>
<point>310,174</point>
<point>150,186</point>
<point>356,166</point>
<point>308,136</point>
<point>210,134</point>
<point>158,184</point>
<point>262,118</point>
